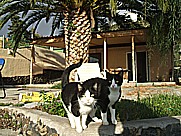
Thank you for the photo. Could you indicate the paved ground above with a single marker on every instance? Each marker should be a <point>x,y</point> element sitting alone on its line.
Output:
<point>7,132</point>
<point>13,93</point>
<point>147,91</point>
<point>127,92</point>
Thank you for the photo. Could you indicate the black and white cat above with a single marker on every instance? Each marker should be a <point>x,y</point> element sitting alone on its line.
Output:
<point>81,99</point>
<point>115,82</point>
<point>77,101</point>
<point>107,95</point>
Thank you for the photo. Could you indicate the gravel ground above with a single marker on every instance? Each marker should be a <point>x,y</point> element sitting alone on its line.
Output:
<point>7,132</point>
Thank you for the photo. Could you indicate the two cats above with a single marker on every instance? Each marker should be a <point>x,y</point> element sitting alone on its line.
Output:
<point>81,100</point>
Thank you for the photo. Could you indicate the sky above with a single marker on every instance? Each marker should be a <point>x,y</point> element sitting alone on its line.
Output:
<point>44,29</point>
<point>3,31</point>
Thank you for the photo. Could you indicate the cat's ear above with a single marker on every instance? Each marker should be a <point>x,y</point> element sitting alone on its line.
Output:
<point>121,73</point>
<point>95,86</point>
<point>79,87</point>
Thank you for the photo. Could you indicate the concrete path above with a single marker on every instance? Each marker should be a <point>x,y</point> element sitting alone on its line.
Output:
<point>130,93</point>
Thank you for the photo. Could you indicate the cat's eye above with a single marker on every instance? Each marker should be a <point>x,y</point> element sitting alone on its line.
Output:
<point>117,81</point>
<point>92,95</point>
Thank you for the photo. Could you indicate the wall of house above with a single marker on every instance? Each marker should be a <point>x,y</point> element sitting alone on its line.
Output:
<point>117,56</point>
<point>157,66</point>
<point>160,66</point>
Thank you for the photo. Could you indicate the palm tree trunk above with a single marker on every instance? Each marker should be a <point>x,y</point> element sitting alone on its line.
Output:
<point>77,29</point>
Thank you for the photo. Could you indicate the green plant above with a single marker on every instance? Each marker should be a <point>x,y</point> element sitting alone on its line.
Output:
<point>46,98</point>
<point>53,106</point>
<point>19,104</point>
<point>5,104</point>
<point>57,86</point>
<point>164,104</point>
<point>152,107</point>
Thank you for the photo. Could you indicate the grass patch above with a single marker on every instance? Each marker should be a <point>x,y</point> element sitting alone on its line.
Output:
<point>152,107</point>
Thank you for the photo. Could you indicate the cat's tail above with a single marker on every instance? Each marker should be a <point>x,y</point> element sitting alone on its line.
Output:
<point>66,73</point>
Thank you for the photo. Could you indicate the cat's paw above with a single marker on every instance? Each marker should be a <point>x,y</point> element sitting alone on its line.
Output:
<point>84,127</point>
<point>105,123</point>
<point>114,122</point>
<point>79,129</point>
<point>95,119</point>
<point>72,125</point>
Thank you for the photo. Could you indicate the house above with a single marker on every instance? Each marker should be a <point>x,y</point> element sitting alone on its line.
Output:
<point>126,49</point>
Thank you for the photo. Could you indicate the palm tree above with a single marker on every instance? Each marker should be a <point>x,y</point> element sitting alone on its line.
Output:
<point>165,24</point>
<point>75,15</point>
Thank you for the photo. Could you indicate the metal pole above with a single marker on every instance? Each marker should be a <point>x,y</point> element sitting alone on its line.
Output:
<point>133,58</point>
<point>105,57</point>
<point>3,42</point>
<point>31,61</point>
<point>31,64</point>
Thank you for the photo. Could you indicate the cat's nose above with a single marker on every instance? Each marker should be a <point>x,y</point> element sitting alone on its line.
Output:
<point>113,85</point>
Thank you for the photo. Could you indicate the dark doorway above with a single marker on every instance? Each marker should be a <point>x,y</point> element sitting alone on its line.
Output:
<point>141,66</point>
<point>130,73</point>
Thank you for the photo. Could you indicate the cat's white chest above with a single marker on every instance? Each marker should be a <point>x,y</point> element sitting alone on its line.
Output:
<point>85,109</point>
<point>114,95</point>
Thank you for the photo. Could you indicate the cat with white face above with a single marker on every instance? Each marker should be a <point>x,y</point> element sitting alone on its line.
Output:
<point>77,100</point>
<point>107,95</point>
<point>115,82</point>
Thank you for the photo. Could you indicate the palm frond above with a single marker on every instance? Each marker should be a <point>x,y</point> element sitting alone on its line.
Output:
<point>56,22</point>
<point>24,25</point>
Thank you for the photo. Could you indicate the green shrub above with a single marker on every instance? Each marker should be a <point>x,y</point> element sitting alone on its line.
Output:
<point>57,86</point>
<point>164,104</point>
<point>152,107</point>
<point>52,106</point>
